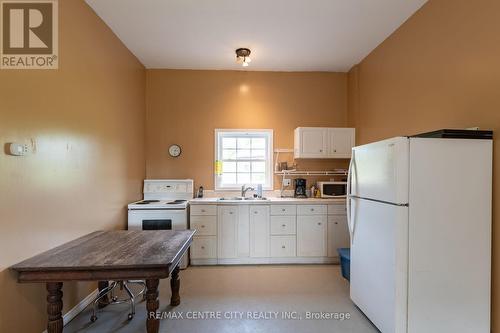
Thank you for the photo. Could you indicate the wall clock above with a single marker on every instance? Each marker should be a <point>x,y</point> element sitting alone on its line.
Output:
<point>174,150</point>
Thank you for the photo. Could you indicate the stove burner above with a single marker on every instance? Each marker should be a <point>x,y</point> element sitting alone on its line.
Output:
<point>145,202</point>
<point>176,202</point>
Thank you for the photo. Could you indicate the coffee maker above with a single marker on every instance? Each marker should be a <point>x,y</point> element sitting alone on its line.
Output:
<point>300,188</point>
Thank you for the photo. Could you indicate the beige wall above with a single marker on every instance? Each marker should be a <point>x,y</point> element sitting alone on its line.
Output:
<point>86,121</point>
<point>441,69</point>
<point>185,107</point>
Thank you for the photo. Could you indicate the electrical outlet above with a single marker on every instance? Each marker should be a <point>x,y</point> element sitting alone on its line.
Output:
<point>18,149</point>
<point>287,182</point>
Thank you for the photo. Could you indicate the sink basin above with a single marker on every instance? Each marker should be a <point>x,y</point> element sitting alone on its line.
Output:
<point>243,199</point>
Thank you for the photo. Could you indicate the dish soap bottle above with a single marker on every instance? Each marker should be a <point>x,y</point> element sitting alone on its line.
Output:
<point>259,191</point>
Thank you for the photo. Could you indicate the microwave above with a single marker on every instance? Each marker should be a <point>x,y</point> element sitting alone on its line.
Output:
<point>332,189</point>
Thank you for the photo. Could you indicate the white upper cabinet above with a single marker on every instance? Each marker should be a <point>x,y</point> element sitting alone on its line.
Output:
<point>311,142</point>
<point>341,141</point>
<point>323,142</point>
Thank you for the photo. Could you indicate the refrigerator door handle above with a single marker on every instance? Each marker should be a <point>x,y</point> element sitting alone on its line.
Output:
<point>381,201</point>
<point>348,197</point>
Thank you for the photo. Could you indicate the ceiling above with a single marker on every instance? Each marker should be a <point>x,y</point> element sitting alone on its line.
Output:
<point>284,35</point>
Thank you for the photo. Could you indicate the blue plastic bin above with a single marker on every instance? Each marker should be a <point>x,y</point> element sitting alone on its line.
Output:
<point>345,262</point>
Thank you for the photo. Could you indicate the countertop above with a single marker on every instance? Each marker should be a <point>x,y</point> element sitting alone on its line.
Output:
<point>271,200</point>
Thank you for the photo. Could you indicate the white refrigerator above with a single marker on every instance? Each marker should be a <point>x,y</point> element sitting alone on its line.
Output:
<point>419,216</point>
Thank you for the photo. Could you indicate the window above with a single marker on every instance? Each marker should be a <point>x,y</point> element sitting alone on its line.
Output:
<point>243,157</point>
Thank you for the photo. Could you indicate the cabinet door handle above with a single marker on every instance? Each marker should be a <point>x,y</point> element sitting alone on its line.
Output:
<point>319,223</point>
<point>203,226</point>
<point>256,212</point>
<point>312,209</point>
<point>335,150</point>
<point>282,246</point>
<point>283,209</point>
<point>203,211</point>
<point>230,213</point>
<point>203,248</point>
<point>321,150</point>
<point>283,225</point>
<point>336,223</point>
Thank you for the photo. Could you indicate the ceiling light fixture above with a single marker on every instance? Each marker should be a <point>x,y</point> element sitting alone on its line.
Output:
<point>243,56</point>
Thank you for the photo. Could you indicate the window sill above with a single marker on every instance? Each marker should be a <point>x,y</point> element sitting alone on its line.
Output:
<point>238,189</point>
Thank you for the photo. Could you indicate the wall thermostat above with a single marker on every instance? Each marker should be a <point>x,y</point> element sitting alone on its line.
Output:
<point>18,149</point>
<point>174,150</point>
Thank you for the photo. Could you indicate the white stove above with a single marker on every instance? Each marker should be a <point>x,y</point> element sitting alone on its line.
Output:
<point>159,204</point>
<point>164,207</point>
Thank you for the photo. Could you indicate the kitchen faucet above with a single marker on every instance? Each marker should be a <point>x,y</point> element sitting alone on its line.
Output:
<point>244,190</point>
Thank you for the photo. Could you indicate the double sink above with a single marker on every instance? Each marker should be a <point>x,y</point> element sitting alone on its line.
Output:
<point>243,199</point>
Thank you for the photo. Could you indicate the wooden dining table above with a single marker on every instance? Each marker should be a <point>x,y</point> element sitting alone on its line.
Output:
<point>148,255</point>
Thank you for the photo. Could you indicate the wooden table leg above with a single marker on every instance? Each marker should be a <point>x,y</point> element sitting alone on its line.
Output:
<point>175,285</point>
<point>103,302</point>
<point>54,307</point>
<point>152,305</point>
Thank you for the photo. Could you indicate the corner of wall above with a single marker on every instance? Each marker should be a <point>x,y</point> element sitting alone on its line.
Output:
<point>353,97</point>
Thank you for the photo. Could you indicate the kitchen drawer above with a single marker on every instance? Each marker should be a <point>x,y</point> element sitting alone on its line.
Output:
<point>283,246</point>
<point>337,209</point>
<point>283,225</point>
<point>283,210</point>
<point>203,209</point>
<point>204,225</point>
<point>311,210</point>
<point>204,247</point>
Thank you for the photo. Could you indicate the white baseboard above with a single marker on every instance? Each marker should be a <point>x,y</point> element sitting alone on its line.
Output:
<point>71,314</point>
<point>266,261</point>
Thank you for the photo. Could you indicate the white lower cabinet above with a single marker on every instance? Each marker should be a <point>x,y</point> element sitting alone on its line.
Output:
<point>204,225</point>
<point>243,231</point>
<point>312,236</point>
<point>283,225</point>
<point>312,210</point>
<point>268,234</point>
<point>204,247</point>
<point>227,223</point>
<point>283,246</point>
<point>259,231</point>
<point>338,234</point>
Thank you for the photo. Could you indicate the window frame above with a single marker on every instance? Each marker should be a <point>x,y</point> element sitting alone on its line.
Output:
<point>220,133</point>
